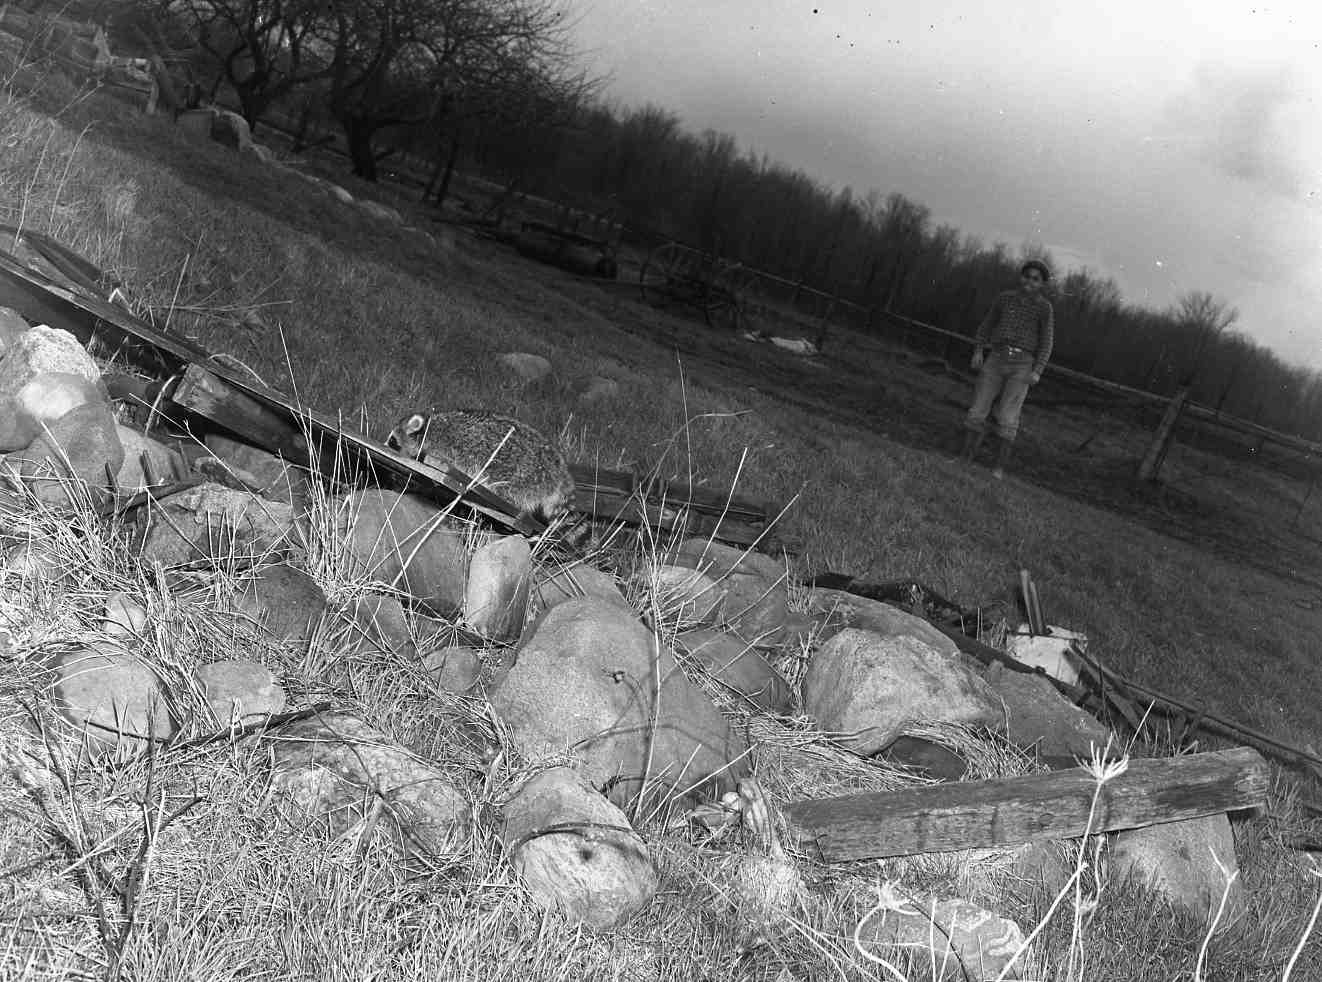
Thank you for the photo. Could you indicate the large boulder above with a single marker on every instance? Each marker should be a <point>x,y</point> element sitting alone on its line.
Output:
<point>496,595</point>
<point>1187,863</point>
<point>230,129</point>
<point>851,610</point>
<point>555,586</point>
<point>284,601</point>
<point>455,668</point>
<point>754,590</point>
<point>338,772</point>
<point>43,349</point>
<point>585,684</point>
<point>81,446</point>
<point>738,665</point>
<point>960,939</point>
<point>596,870</point>
<point>259,470</point>
<point>114,700</point>
<point>380,623</point>
<point>684,597</point>
<point>406,543</point>
<point>210,522</point>
<point>869,688</point>
<point>161,462</point>
<point>1038,717</point>
<point>240,691</point>
<point>44,398</point>
<point>526,366</point>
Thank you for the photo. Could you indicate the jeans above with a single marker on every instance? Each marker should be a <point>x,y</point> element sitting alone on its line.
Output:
<point>1008,376</point>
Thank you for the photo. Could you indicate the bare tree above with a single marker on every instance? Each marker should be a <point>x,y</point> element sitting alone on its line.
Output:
<point>404,62</point>
<point>262,48</point>
<point>1204,317</point>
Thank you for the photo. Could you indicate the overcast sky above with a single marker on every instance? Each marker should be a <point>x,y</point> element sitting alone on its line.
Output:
<point>1170,145</point>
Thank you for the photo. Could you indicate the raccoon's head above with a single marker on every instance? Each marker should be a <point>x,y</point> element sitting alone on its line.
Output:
<point>408,437</point>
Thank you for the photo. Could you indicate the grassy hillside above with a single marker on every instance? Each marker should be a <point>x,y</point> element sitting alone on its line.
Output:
<point>1211,589</point>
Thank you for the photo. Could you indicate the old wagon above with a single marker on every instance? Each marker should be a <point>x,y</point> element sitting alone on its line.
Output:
<point>679,275</point>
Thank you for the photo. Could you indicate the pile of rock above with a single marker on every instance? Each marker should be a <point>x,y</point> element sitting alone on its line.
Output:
<point>599,701</point>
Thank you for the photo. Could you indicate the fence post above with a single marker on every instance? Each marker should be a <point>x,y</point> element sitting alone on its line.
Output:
<point>1162,439</point>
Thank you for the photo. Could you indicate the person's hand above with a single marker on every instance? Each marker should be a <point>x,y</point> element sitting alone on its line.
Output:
<point>1035,378</point>
<point>976,363</point>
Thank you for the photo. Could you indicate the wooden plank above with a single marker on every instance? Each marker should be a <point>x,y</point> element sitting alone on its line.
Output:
<point>979,814</point>
<point>263,410</point>
<point>201,392</point>
<point>41,300</point>
<point>590,480</point>
<point>257,408</point>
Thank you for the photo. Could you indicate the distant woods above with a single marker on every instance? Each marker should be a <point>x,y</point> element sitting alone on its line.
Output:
<point>493,87</point>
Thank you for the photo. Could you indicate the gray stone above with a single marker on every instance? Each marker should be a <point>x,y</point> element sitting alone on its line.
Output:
<point>111,697</point>
<point>599,389</point>
<point>496,595</point>
<point>526,366</point>
<point>455,669</point>
<point>231,129</point>
<point>161,461</point>
<point>80,446</point>
<point>580,580</point>
<point>403,542</point>
<point>270,476</point>
<point>44,398</point>
<point>123,618</point>
<point>380,624</point>
<point>1178,860</point>
<point>286,602</point>
<point>1037,717</point>
<point>381,212</point>
<point>963,941</point>
<point>341,774</point>
<point>738,665</point>
<point>756,598</point>
<point>599,874</point>
<point>210,522</point>
<point>240,691</point>
<point>869,689</point>
<point>584,683</point>
<point>43,349</point>
<point>685,596</point>
<point>878,617</point>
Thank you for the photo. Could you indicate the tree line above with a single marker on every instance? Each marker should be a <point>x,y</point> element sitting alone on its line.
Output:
<point>494,87</point>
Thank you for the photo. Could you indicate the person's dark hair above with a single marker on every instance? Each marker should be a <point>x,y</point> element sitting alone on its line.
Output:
<point>1038,265</point>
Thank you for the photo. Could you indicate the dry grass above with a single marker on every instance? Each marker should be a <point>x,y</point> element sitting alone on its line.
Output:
<point>106,874</point>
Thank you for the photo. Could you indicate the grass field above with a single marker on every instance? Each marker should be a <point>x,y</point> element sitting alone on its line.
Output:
<point>1209,587</point>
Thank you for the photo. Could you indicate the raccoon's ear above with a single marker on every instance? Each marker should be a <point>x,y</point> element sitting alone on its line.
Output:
<point>415,424</point>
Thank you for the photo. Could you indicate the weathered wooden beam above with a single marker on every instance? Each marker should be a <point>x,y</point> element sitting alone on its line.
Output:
<point>257,413</point>
<point>979,814</point>
<point>204,393</point>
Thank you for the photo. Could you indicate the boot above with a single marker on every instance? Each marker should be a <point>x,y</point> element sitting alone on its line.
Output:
<point>1002,458</point>
<point>972,441</point>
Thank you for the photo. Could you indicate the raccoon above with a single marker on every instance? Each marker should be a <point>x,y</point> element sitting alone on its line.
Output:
<point>527,470</point>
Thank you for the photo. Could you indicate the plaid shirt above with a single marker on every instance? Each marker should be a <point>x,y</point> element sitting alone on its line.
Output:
<point>1023,321</point>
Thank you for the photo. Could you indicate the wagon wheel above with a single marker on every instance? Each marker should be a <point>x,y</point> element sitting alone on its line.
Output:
<point>662,273</point>
<point>723,305</point>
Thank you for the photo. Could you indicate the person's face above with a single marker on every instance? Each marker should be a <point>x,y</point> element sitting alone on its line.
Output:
<point>1030,280</point>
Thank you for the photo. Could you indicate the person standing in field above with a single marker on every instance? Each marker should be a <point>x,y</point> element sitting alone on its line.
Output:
<point>1012,347</point>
